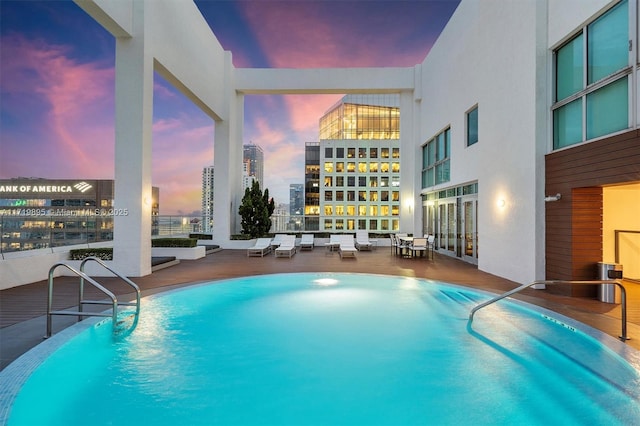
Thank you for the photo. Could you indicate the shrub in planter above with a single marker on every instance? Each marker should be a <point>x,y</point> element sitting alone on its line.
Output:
<point>100,253</point>
<point>201,236</point>
<point>174,242</point>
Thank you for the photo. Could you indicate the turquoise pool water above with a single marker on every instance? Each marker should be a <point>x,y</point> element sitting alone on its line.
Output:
<point>348,349</point>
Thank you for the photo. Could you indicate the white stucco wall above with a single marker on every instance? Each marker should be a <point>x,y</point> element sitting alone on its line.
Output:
<point>487,56</point>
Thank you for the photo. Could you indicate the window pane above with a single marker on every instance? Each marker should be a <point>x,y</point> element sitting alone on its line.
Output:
<point>567,124</point>
<point>472,127</point>
<point>569,68</point>
<point>608,43</point>
<point>608,109</point>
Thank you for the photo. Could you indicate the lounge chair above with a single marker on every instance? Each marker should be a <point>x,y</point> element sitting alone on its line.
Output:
<point>362,240</point>
<point>306,242</point>
<point>277,240</point>
<point>347,246</point>
<point>260,248</point>
<point>334,243</point>
<point>287,247</point>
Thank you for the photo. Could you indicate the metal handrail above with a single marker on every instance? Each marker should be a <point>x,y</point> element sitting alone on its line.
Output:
<point>50,312</point>
<point>623,298</point>
<point>116,273</point>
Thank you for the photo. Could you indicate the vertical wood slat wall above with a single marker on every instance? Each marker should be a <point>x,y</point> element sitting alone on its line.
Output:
<point>574,223</point>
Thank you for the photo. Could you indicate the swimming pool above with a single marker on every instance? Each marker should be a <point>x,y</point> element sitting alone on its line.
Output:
<point>327,349</point>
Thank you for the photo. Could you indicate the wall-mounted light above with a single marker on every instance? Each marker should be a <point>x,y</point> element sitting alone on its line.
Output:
<point>501,203</point>
<point>550,198</point>
<point>146,201</point>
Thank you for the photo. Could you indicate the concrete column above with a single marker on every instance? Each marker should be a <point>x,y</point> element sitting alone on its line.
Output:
<point>227,167</point>
<point>133,120</point>
<point>409,196</point>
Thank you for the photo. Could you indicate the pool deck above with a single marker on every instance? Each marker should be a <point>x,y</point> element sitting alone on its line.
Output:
<point>23,319</point>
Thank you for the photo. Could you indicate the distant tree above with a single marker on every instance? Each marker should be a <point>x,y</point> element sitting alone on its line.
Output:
<point>256,210</point>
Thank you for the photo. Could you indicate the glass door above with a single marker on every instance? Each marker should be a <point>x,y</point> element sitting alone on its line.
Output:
<point>469,224</point>
<point>448,229</point>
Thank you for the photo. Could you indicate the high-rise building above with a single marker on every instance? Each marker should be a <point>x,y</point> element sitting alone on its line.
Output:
<point>207,198</point>
<point>253,157</point>
<point>353,174</point>
<point>247,180</point>
<point>296,206</point>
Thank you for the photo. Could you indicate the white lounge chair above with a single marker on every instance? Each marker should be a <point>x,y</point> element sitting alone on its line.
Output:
<point>362,241</point>
<point>347,246</point>
<point>260,248</point>
<point>288,246</point>
<point>277,240</point>
<point>334,243</point>
<point>306,242</point>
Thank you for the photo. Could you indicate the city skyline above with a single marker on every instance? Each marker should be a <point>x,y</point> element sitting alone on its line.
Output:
<point>57,88</point>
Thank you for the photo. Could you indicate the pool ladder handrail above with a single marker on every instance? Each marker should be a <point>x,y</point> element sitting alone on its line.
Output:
<point>623,297</point>
<point>113,302</point>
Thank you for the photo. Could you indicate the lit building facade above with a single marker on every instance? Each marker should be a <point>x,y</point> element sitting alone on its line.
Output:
<point>358,166</point>
<point>207,198</point>
<point>41,213</point>
<point>253,158</point>
<point>296,206</point>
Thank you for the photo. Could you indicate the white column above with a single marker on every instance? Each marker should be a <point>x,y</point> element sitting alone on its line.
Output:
<point>409,197</point>
<point>133,120</point>
<point>227,168</point>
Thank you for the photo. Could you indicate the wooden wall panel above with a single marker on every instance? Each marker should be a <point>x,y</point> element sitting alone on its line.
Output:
<point>574,223</point>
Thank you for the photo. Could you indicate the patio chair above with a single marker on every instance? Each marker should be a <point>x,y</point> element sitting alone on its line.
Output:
<point>418,245</point>
<point>431,242</point>
<point>261,247</point>
<point>347,247</point>
<point>362,240</point>
<point>307,242</point>
<point>287,247</point>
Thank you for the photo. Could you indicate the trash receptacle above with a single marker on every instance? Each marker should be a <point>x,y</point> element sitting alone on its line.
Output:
<point>608,292</point>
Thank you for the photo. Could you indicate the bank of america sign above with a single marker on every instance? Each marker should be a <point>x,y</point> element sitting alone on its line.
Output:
<point>82,186</point>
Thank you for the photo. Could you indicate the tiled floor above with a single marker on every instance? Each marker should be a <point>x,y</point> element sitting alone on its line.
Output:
<point>22,309</point>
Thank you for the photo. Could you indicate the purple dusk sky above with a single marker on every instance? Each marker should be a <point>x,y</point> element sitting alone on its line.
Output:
<point>57,85</point>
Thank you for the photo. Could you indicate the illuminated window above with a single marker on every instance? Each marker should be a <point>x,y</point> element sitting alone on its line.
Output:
<point>395,210</point>
<point>373,167</point>
<point>373,196</point>
<point>395,181</point>
<point>384,225</point>
<point>339,224</point>
<point>328,181</point>
<point>373,182</point>
<point>328,167</point>
<point>351,210</point>
<point>328,210</point>
<point>362,195</point>
<point>328,195</point>
<point>351,167</point>
<point>384,167</point>
<point>362,167</point>
<point>395,196</point>
<point>395,152</point>
<point>351,152</point>
<point>384,210</point>
<point>373,210</point>
<point>395,167</point>
<point>351,224</point>
<point>384,153</point>
<point>362,210</point>
<point>362,152</point>
<point>373,152</point>
<point>339,210</point>
<point>328,224</point>
<point>339,167</point>
<point>339,180</point>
